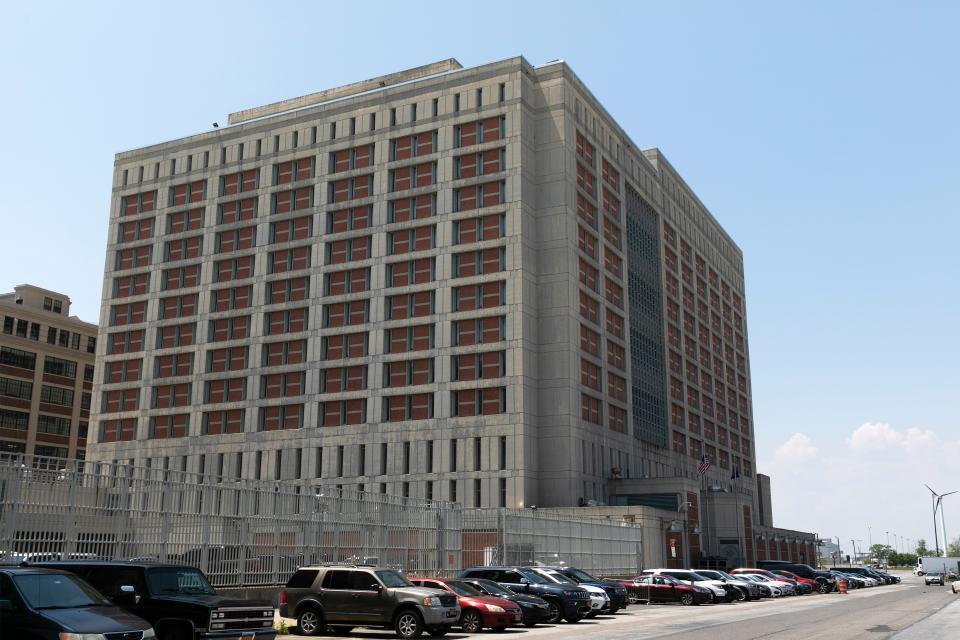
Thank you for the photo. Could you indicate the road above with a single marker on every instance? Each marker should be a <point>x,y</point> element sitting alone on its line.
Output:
<point>930,613</point>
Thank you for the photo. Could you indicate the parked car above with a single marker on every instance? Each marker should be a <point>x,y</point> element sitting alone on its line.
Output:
<point>720,593</point>
<point>47,604</point>
<point>651,588</point>
<point>534,609</point>
<point>893,579</point>
<point>746,589</point>
<point>566,601</point>
<point>477,611</point>
<point>599,600</point>
<point>807,582</point>
<point>177,600</point>
<point>339,598</point>
<point>955,586</point>
<point>776,587</point>
<point>786,587</point>
<point>801,588</point>
<point>826,583</point>
<point>615,591</point>
<point>853,582</point>
<point>933,578</point>
<point>872,577</point>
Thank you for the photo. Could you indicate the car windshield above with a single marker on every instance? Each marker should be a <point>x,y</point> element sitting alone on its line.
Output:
<point>178,581</point>
<point>463,589</point>
<point>582,576</point>
<point>712,575</point>
<point>726,575</point>
<point>534,577</point>
<point>687,576</point>
<point>391,579</point>
<point>57,591</point>
<point>556,576</point>
<point>491,587</point>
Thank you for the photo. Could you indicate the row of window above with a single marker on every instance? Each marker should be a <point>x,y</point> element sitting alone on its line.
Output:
<point>23,390</point>
<point>464,403</point>
<point>483,228</point>
<point>465,298</point>
<point>62,337</point>
<point>50,425</point>
<point>464,367</point>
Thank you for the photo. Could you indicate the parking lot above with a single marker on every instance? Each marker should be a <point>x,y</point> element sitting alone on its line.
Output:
<point>876,613</point>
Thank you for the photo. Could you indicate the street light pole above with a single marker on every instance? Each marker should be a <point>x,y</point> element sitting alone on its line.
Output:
<point>870,535</point>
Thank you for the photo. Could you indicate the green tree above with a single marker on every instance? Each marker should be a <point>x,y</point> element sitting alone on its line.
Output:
<point>953,549</point>
<point>922,548</point>
<point>881,552</point>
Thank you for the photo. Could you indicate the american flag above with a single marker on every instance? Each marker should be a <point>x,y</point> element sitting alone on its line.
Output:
<point>704,465</point>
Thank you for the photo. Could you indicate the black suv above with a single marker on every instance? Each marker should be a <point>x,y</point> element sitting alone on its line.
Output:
<point>615,590</point>
<point>338,598</point>
<point>177,600</point>
<point>826,582</point>
<point>45,604</point>
<point>566,601</point>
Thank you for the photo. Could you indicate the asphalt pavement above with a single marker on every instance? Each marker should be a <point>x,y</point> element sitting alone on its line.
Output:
<point>909,609</point>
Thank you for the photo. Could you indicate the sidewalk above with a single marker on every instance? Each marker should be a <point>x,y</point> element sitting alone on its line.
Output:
<point>944,624</point>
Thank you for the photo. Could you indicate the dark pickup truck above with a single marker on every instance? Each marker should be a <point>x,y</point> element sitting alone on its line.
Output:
<point>177,600</point>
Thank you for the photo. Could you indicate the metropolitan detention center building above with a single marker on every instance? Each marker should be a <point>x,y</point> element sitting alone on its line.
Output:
<point>448,283</point>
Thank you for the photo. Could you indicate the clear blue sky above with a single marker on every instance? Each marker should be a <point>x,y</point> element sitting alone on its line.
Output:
<point>824,136</point>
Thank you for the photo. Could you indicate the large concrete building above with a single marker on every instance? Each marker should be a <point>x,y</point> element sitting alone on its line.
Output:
<point>466,284</point>
<point>46,374</point>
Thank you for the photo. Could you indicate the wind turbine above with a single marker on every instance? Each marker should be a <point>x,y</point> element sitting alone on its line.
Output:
<point>937,500</point>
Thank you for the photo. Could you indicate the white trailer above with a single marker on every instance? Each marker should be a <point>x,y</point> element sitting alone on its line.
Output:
<point>937,565</point>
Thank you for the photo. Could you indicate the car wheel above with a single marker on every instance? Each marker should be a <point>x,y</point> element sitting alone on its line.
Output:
<point>574,619</point>
<point>408,624</point>
<point>686,599</point>
<point>470,621</point>
<point>613,610</point>
<point>593,614</point>
<point>742,596</point>
<point>823,587</point>
<point>555,612</point>
<point>310,622</point>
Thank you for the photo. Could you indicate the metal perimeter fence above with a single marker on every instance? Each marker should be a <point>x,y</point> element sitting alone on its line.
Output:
<point>255,533</point>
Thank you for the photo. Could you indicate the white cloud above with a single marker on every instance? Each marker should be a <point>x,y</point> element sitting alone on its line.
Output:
<point>874,436</point>
<point>798,448</point>
<point>872,480</point>
<point>880,436</point>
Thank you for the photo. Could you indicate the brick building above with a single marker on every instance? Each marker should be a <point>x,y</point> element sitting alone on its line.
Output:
<point>46,374</point>
<point>465,284</point>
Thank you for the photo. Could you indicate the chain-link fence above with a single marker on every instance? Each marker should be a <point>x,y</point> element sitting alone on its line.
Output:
<point>256,533</point>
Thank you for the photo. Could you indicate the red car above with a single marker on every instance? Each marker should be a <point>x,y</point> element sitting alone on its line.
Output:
<point>807,581</point>
<point>665,589</point>
<point>477,611</point>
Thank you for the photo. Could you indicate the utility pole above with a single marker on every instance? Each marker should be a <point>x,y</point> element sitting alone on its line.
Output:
<point>870,535</point>
<point>854,545</point>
